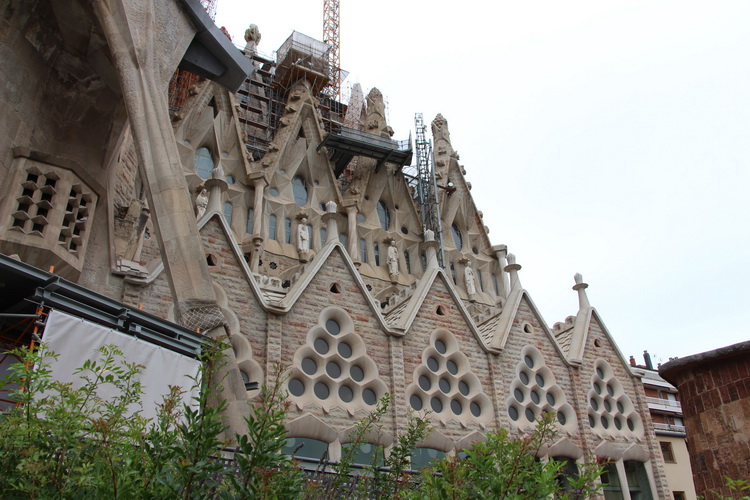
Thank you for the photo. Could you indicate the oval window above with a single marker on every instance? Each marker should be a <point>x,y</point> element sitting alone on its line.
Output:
<point>384,216</point>
<point>204,163</point>
<point>300,191</point>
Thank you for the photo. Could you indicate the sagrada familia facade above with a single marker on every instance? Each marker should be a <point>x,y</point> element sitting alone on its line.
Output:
<point>234,196</point>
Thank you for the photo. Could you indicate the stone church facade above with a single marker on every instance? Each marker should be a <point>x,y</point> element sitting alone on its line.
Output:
<point>232,215</point>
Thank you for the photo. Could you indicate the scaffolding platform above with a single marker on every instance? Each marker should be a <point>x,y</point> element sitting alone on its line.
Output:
<point>345,143</point>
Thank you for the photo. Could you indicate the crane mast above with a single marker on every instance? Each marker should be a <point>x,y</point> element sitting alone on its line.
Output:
<point>331,37</point>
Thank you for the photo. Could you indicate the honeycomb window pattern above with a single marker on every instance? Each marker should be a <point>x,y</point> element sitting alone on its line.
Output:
<point>36,201</point>
<point>445,385</point>
<point>611,411</point>
<point>535,391</point>
<point>333,369</point>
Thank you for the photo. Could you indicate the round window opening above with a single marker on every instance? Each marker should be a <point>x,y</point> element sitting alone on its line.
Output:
<point>475,409</point>
<point>345,350</point>
<point>416,402</point>
<point>424,383</point>
<point>436,404</point>
<point>321,346</point>
<point>524,378</point>
<point>369,396</point>
<point>529,362</point>
<point>321,390</point>
<point>457,407</point>
<point>513,413</point>
<point>309,366</point>
<point>445,385</point>
<point>333,369</point>
<point>440,346</point>
<point>452,367</point>
<point>296,387</point>
<point>345,393</point>
<point>357,373</point>
<point>432,364</point>
<point>463,388</point>
<point>333,327</point>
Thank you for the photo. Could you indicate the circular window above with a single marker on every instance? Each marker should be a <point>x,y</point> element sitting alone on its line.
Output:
<point>404,230</point>
<point>273,192</point>
<point>463,388</point>
<point>597,389</point>
<point>333,327</point>
<point>345,350</point>
<point>424,383</point>
<point>445,386</point>
<point>620,407</point>
<point>518,394</point>
<point>432,364</point>
<point>440,346</point>
<point>309,366</point>
<point>599,373</point>
<point>605,422</point>
<point>475,250</point>
<point>333,369</point>
<point>513,413</point>
<point>535,397</point>
<point>452,367</point>
<point>550,399</point>
<point>321,390</point>
<point>321,346</point>
<point>436,404</point>
<point>357,373</point>
<point>416,402</point>
<point>529,414</point>
<point>524,378</point>
<point>594,404</point>
<point>539,380</point>
<point>631,424</point>
<point>296,387</point>
<point>368,395</point>
<point>457,407</point>
<point>345,393</point>
<point>529,362</point>
<point>561,418</point>
<point>361,217</point>
<point>610,390</point>
<point>607,405</point>
<point>618,423</point>
<point>476,410</point>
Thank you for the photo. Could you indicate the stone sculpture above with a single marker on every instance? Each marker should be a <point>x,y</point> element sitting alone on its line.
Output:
<point>201,202</point>
<point>303,236</point>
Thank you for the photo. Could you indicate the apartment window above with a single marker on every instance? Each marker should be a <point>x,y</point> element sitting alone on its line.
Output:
<point>666,451</point>
<point>637,478</point>
<point>612,490</point>
<point>679,495</point>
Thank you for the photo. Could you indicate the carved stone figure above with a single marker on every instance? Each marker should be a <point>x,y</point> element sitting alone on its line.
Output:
<point>201,202</point>
<point>303,236</point>
<point>393,258</point>
<point>252,34</point>
<point>440,129</point>
<point>471,287</point>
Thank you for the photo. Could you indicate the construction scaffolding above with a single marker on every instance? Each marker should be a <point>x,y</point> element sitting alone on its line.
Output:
<point>426,186</point>
<point>331,37</point>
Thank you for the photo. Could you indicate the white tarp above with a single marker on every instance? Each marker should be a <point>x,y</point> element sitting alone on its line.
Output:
<point>76,340</point>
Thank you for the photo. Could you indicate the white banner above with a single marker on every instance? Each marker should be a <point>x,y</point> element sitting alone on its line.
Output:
<point>75,340</point>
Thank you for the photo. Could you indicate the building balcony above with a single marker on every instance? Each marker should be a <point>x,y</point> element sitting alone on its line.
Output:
<point>666,405</point>
<point>669,429</point>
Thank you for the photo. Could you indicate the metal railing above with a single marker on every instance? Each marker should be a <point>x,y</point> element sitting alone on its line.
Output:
<point>664,402</point>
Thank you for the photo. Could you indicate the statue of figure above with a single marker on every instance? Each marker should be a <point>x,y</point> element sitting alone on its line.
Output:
<point>252,34</point>
<point>201,202</point>
<point>393,258</point>
<point>440,129</point>
<point>471,287</point>
<point>303,236</point>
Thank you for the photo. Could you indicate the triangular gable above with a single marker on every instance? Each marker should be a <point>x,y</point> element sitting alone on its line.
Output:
<point>507,316</point>
<point>593,315</point>
<point>293,152</point>
<point>315,266</point>
<point>422,291</point>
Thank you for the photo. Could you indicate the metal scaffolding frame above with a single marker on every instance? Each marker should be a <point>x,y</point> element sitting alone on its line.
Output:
<point>426,186</point>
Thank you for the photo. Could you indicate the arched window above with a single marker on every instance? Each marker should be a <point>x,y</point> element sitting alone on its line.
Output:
<point>384,216</point>
<point>453,273</point>
<point>228,212</point>
<point>344,239</point>
<point>204,163</point>
<point>457,239</point>
<point>408,262</point>
<point>363,251</point>
<point>250,217</point>
<point>323,236</point>
<point>423,457</point>
<point>479,280</point>
<point>494,284</point>
<point>300,191</point>
<point>423,258</point>
<point>288,230</point>
<point>306,449</point>
<point>376,251</point>
<point>271,227</point>
<point>365,453</point>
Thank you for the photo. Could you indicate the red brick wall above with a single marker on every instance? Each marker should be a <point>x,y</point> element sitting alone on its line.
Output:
<point>715,400</point>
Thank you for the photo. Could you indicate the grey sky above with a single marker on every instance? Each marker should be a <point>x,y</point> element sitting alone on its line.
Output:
<point>606,138</point>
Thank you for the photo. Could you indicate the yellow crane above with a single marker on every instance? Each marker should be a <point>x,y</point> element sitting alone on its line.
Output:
<point>331,37</point>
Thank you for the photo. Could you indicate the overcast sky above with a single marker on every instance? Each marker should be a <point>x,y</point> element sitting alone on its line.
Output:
<point>608,138</point>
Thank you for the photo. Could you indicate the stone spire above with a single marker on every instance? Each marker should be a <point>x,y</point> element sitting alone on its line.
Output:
<point>580,287</point>
<point>332,225</point>
<point>376,121</point>
<point>512,268</point>
<point>441,138</point>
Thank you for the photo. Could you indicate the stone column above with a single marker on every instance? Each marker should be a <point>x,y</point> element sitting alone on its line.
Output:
<point>259,182</point>
<point>332,225</point>
<point>501,252</point>
<point>351,218</point>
